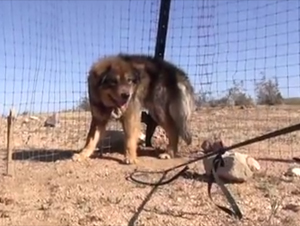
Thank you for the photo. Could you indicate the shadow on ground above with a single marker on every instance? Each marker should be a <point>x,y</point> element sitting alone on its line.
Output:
<point>115,144</point>
<point>42,155</point>
<point>277,160</point>
<point>189,175</point>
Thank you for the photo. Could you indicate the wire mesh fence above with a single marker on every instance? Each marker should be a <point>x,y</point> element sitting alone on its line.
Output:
<point>236,54</point>
<point>244,55</point>
<point>47,51</point>
<point>242,58</point>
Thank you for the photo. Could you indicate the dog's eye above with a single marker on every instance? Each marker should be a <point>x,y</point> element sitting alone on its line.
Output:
<point>136,74</point>
<point>112,82</point>
<point>132,80</point>
<point>135,77</point>
<point>109,82</point>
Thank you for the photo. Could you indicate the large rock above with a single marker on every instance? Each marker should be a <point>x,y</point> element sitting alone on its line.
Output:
<point>52,121</point>
<point>238,167</point>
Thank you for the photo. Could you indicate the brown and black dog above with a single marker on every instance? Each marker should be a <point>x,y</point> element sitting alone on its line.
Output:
<point>130,83</point>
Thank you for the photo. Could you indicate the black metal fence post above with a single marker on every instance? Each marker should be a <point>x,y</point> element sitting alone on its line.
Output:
<point>159,53</point>
<point>162,28</point>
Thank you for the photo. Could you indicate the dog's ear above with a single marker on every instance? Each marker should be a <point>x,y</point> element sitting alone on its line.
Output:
<point>137,72</point>
<point>104,75</point>
<point>139,66</point>
<point>136,76</point>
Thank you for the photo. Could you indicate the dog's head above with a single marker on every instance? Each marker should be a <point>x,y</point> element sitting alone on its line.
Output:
<point>113,82</point>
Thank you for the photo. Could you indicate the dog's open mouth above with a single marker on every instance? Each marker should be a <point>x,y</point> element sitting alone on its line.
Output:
<point>120,108</point>
<point>119,104</point>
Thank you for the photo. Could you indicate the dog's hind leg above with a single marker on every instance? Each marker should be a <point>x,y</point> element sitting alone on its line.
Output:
<point>173,137</point>
<point>150,127</point>
<point>181,109</point>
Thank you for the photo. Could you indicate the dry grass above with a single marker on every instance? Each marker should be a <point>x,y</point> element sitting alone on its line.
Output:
<point>49,189</point>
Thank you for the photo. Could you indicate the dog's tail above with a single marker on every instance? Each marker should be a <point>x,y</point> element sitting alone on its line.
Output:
<point>181,109</point>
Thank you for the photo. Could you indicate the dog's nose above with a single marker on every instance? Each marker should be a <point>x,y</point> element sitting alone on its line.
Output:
<point>125,96</point>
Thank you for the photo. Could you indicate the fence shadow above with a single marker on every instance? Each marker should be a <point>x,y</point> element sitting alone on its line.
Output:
<point>276,160</point>
<point>42,155</point>
<point>115,144</point>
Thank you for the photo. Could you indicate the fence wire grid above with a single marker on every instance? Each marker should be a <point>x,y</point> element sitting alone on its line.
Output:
<point>242,58</point>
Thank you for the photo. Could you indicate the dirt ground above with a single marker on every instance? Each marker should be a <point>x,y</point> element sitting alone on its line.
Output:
<point>47,188</point>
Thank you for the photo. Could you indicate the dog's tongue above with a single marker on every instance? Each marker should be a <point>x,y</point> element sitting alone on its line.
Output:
<point>122,103</point>
<point>122,106</point>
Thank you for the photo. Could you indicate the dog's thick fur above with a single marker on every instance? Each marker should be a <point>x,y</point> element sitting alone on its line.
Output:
<point>131,83</point>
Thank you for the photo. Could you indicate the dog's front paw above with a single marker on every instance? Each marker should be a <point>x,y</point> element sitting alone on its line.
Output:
<point>165,156</point>
<point>79,157</point>
<point>76,158</point>
<point>82,155</point>
<point>130,161</point>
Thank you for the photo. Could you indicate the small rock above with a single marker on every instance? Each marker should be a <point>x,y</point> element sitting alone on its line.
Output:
<point>212,145</point>
<point>4,214</point>
<point>142,137</point>
<point>293,171</point>
<point>292,207</point>
<point>26,120</point>
<point>236,168</point>
<point>6,201</point>
<point>34,118</point>
<point>52,121</point>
